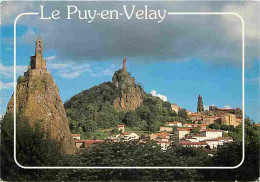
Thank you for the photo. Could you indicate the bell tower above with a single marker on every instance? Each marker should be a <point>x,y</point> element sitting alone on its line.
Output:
<point>38,47</point>
<point>37,62</point>
<point>200,107</point>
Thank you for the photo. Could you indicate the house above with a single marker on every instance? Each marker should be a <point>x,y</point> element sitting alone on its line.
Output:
<point>225,139</point>
<point>154,136</point>
<point>169,129</point>
<point>199,138</point>
<point>75,136</point>
<point>213,143</point>
<point>210,134</point>
<point>91,143</point>
<point>163,144</point>
<point>79,143</point>
<point>193,144</point>
<point>130,136</point>
<point>121,128</point>
<point>175,123</point>
<point>187,125</point>
<point>191,139</point>
<point>181,132</point>
<point>196,116</point>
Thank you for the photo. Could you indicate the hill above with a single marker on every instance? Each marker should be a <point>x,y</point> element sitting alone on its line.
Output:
<point>121,101</point>
<point>38,100</point>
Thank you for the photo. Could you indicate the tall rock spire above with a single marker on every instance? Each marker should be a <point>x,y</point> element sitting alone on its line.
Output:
<point>200,107</point>
<point>131,95</point>
<point>38,100</point>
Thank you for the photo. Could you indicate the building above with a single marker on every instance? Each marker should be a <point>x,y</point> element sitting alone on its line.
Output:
<point>193,144</point>
<point>210,134</point>
<point>79,143</point>
<point>181,132</point>
<point>200,108</point>
<point>121,128</point>
<point>175,123</point>
<point>187,125</point>
<point>230,119</point>
<point>154,136</point>
<point>201,126</point>
<point>211,119</point>
<point>163,144</point>
<point>196,116</point>
<point>37,62</point>
<point>169,129</point>
<point>75,136</point>
<point>213,143</point>
<point>130,136</point>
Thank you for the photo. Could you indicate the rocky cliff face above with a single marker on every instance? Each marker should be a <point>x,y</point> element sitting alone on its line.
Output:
<point>38,99</point>
<point>131,95</point>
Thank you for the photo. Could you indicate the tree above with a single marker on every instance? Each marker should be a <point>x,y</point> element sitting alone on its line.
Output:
<point>183,113</point>
<point>34,148</point>
<point>215,126</point>
<point>131,119</point>
<point>195,130</point>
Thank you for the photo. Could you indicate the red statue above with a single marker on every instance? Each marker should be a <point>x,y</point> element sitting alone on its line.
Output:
<point>124,64</point>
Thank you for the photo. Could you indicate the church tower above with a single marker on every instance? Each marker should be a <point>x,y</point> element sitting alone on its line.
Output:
<point>200,107</point>
<point>37,62</point>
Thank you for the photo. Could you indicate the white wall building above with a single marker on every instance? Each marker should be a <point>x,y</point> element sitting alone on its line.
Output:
<point>175,123</point>
<point>130,136</point>
<point>210,134</point>
<point>181,132</point>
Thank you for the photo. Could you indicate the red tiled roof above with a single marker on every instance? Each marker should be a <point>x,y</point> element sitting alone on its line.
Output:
<point>79,141</point>
<point>183,129</point>
<point>162,134</point>
<point>93,141</point>
<point>120,125</point>
<point>225,109</point>
<point>224,138</point>
<point>75,135</point>
<point>126,133</point>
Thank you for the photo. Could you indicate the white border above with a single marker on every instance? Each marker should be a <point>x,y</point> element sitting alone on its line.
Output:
<point>141,167</point>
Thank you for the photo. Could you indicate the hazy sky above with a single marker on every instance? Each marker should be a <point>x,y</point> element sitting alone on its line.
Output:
<point>180,58</point>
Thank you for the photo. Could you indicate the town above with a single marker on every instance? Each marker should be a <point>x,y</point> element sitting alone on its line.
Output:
<point>200,132</point>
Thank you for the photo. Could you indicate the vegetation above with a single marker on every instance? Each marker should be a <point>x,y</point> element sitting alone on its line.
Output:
<point>36,149</point>
<point>221,127</point>
<point>93,109</point>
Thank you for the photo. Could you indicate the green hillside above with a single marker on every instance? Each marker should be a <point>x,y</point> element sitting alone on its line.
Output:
<point>93,109</point>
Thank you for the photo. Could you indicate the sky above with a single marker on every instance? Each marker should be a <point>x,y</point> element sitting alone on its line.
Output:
<point>176,60</point>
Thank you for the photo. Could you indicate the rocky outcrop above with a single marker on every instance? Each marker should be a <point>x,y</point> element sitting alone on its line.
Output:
<point>38,99</point>
<point>131,95</point>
